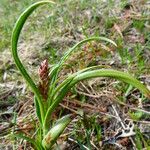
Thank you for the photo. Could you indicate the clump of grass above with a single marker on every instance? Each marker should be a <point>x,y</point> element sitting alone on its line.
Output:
<point>51,92</point>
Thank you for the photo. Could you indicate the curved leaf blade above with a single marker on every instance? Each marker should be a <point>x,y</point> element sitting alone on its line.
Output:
<point>66,86</point>
<point>113,74</point>
<point>56,69</point>
<point>14,41</point>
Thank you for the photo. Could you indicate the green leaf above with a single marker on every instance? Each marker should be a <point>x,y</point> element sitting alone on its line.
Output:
<point>37,108</point>
<point>14,41</point>
<point>79,76</point>
<point>69,52</point>
<point>51,137</point>
<point>66,81</point>
<point>119,75</point>
<point>56,69</point>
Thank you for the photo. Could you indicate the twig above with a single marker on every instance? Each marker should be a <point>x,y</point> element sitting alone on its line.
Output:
<point>133,108</point>
<point>123,125</point>
<point>118,117</point>
<point>93,108</point>
<point>85,87</point>
<point>89,95</point>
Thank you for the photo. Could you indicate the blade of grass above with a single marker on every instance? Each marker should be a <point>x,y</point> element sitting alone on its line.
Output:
<point>74,79</point>
<point>53,92</point>
<point>14,41</point>
<point>73,75</point>
<point>54,73</point>
<point>37,108</point>
<point>114,74</point>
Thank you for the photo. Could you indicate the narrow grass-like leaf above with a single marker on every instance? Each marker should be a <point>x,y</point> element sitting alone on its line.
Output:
<point>14,41</point>
<point>69,52</point>
<point>55,71</point>
<point>75,74</point>
<point>37,108</point>
<point>66,86</point>
<point>114,74</point>
<point>52,107</point>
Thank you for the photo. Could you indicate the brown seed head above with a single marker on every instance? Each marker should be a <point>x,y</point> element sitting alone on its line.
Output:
<point>43,70</point>
<point>44,78</point>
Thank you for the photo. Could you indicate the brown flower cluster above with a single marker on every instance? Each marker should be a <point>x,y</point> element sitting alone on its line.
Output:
<point>44,78</point>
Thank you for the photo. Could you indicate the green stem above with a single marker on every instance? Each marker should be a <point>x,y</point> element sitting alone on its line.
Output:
<point>14,41</point>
